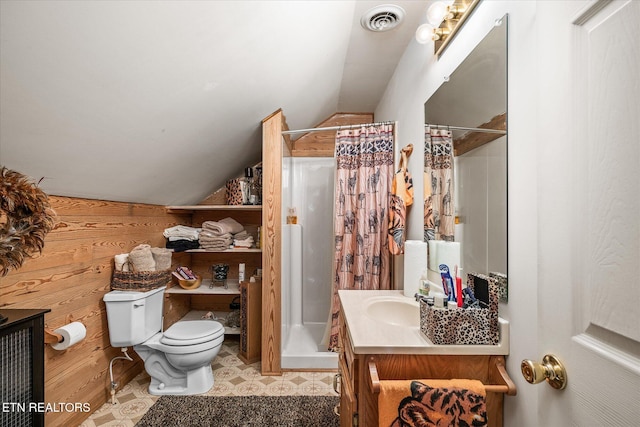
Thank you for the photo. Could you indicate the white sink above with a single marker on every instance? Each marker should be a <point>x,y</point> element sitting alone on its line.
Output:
<point>387,322</point>
<point>400,311</point>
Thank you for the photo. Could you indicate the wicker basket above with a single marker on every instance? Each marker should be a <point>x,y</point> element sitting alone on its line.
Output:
<point>140,281</point>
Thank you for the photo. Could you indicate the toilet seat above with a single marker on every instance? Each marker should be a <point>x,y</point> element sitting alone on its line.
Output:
<point>192,332</point>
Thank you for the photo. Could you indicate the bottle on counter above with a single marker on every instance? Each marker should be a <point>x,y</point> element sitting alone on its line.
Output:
<point>292,218</point>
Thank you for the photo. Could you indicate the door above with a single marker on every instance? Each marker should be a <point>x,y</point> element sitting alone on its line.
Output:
<point>589,210</point>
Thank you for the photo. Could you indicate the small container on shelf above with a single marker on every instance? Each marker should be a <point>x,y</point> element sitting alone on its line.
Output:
<point>219,275</point>
<point>189,283</point>
<point>292,217</point>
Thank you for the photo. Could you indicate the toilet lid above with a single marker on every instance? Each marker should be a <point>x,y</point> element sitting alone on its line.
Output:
<point>190,332</point>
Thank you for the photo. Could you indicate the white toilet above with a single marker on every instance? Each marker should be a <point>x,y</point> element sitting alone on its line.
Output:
<point>178,359</point>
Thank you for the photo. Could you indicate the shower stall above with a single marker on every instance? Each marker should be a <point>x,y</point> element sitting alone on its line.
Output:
<point>307,253</point>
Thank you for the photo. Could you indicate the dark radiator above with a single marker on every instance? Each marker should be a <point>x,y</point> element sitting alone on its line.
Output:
<point>21,367</point>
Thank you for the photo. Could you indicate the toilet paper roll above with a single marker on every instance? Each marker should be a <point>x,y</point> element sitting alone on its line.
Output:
<point>415,262</point>
<point>449,254</point>
<point>72,334</point>
<point>433,255</point>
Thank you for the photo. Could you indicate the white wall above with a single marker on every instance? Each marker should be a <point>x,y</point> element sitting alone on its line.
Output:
<point>417,76</point>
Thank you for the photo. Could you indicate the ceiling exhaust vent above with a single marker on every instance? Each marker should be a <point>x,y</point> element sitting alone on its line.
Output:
<point>382,18</point>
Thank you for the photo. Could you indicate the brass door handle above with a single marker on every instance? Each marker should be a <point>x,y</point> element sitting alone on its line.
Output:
<point>551,369</point>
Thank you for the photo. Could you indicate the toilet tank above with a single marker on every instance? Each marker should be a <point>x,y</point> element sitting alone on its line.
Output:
<point>134,317</point>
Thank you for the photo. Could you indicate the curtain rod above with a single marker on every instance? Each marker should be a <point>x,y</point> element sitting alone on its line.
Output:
<point>503,132</point>
<point>288,132</point>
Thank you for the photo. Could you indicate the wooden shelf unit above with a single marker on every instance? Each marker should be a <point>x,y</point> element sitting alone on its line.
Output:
<point>206,208</point>
<point>225,251</point>
<point>250,321</point>
<point>233,288</point>
<point>217,299</point>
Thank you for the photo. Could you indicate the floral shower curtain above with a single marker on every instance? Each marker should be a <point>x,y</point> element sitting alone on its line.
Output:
<point>439,210</point>
<point>364,172</point>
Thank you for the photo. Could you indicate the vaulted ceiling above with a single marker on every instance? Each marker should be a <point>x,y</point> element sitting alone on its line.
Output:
<point>161,102</point>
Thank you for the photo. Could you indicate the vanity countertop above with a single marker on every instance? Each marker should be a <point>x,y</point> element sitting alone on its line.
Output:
<point>379,332</point>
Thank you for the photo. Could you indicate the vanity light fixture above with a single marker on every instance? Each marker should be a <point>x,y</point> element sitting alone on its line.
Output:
<point>436,13</point>
<point>435,16</point>
<point>443,21</point>
<point>440,34</point>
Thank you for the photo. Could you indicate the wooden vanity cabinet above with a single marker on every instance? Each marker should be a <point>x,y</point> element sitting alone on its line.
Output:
<point>346,370</point>
<point>359,403</point>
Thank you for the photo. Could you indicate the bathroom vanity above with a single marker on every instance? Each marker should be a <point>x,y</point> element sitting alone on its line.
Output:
<point>381,340</point>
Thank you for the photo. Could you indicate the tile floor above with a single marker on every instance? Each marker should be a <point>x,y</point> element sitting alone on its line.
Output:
<point>232,378</point>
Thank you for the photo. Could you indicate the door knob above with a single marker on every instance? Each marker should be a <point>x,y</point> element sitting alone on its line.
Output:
<point>551,369</point>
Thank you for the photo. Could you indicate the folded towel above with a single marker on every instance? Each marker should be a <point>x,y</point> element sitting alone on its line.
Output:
<point>243,243</point>
<point>233,225</point>
<point>224,240</point>
<point>121,262</point>
<point>215,240</point>
<point>141,259</point>
<point>207,234</point>
<point>214,246</point>
<point>224,226</point>
<point>214,227</point>
<point>182,231</point>
<point>162,258</point>
<point>176,238</point>
<point>434,402</point>
<point>241,235</point>
<point>210,240</point>
<point>181,245</point>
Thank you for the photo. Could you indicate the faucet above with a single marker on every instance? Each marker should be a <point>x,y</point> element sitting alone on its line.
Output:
<point>427,299</point>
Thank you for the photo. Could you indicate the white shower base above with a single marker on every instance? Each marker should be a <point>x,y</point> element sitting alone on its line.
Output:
<point>302,351</point>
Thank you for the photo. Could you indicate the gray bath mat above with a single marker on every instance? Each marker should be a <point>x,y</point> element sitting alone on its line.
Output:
<point>241,411</point>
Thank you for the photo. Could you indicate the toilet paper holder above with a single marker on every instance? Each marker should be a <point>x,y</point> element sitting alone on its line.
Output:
<point>51,337</point>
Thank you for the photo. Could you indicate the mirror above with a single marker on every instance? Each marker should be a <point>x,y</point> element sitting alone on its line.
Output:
<point>474,97</point>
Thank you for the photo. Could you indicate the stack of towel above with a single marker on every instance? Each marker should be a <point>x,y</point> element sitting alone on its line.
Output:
<point>215,241</point>
<point>144,258</point>
<point>219,235</point>
<point>243,240</point>
<point>182,237</point>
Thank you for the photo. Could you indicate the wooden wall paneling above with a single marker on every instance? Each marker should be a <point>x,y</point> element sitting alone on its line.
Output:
<point>71,276</point>
<point>472,140</point>
<point>322,143</point>
<point>71,206</point>
<point>219,197</point>
<point>272,147</point>
<point>244,217</point>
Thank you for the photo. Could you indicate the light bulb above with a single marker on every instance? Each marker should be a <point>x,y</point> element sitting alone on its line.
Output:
<point>439,34</point>
<point>436,12</point>
<point>423,33</point>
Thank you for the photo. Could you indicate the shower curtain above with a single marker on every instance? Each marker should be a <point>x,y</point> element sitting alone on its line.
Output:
<point>362,192</point>
<point>439,210</point>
